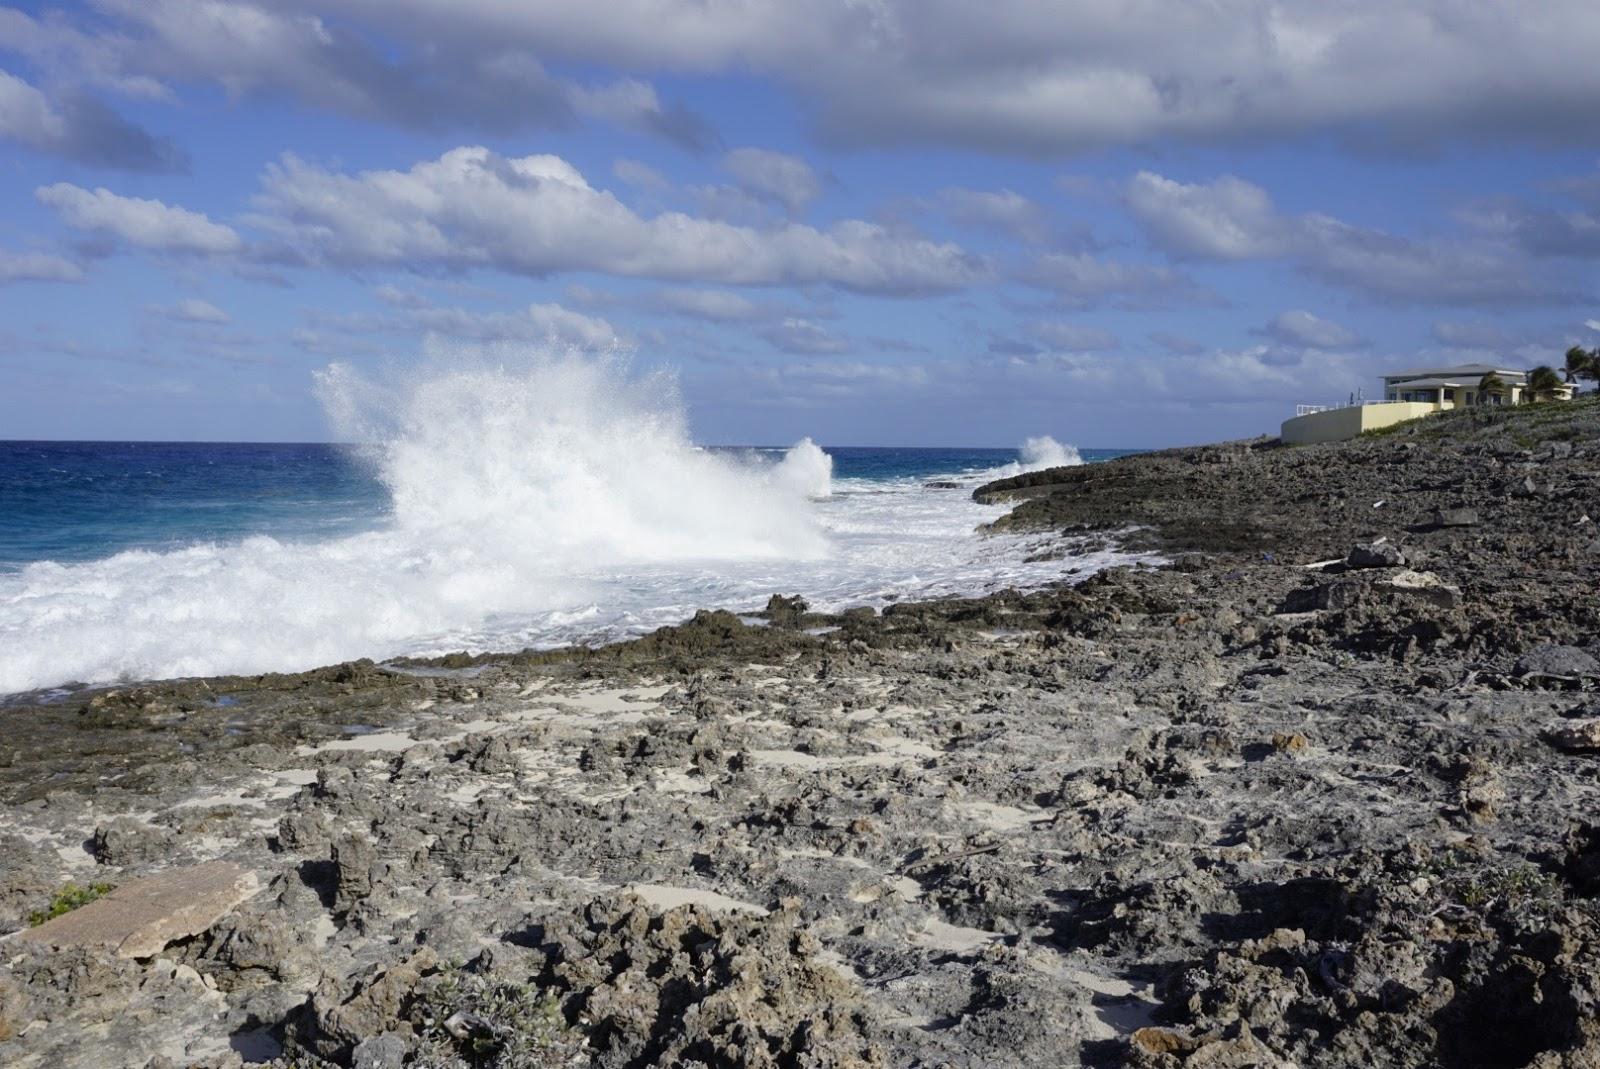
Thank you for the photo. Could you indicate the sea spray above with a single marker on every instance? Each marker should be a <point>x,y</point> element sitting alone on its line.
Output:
<point>519,490</point>
<point>565,459</point>
<point>533,502</point>
<point>1037,454</point>
<point>1042,451</point>
<point>805,469</point>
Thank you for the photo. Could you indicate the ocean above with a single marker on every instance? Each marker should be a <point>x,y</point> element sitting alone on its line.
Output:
<point>476,520</point>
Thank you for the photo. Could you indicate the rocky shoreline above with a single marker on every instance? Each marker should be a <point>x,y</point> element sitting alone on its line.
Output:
<point>1322,792</point>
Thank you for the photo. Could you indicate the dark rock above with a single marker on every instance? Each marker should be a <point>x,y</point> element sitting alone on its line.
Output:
<point>1375,555</point>
<point>786,612</point>
<point>1553,660</point>
<point>1375,588</point>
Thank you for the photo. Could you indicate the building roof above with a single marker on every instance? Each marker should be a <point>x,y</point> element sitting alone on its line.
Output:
<point>1462,371</point>
<point>1428,384</point>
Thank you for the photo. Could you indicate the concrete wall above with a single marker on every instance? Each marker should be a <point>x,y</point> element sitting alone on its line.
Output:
<point>1338,424</point>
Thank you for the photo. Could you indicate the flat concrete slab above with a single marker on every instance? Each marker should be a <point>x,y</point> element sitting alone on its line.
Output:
<point>141,917</point>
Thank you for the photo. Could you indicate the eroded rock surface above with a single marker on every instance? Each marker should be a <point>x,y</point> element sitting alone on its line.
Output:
<point>1213,814</point>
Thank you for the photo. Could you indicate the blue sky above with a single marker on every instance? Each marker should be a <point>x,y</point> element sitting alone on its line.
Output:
<point>882,222</point>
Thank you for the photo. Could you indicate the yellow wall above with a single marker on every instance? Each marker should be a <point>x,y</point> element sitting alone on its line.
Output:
<point>1338,424</point>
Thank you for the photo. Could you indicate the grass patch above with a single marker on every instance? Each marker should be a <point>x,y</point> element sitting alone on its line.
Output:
<point>67,899</point>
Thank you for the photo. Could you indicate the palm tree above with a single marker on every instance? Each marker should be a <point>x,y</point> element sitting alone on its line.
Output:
<point>1490,388</point>
<point>1543,383</point>
<point>1580,364</point>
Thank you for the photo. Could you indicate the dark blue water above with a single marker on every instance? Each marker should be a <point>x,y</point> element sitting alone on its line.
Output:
<point>79,501</point>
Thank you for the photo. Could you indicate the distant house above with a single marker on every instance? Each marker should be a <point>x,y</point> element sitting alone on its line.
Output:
<point>1410,394</point>
<point>1457,385</point>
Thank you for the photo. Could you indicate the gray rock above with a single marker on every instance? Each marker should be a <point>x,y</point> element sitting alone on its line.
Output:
<point>1575,736</point>
<point>1375,555</point>
<point>1552,660</point>
<point>387,1051</point>
<point>354,857</point>
<point>1456,518</point>
<point>125,841</point>
<point>1378,588</point>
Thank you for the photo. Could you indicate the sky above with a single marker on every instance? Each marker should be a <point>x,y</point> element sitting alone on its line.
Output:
<point>1124,223</point>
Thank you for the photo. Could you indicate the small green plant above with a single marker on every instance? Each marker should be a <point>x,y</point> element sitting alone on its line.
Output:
<point>67,899</point>
<point>467,1019</point>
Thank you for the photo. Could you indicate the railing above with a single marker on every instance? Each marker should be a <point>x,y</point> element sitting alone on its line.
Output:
<point>1311,410</point>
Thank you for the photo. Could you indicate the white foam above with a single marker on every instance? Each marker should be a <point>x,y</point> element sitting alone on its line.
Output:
<point>538,501</point>
<point>806,469</point>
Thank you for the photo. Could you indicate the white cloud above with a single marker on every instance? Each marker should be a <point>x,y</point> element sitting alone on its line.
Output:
<point>1079,279</point>
<point>37,267</point>
<point>1302,328</point>
<point>1024,76</point>
<point>146,223</point>
<point>550,323</point>
<point>1230,219</point>
<point>1072,338</point>
<point>190,310</point>
<point>789,180</point>
<point>80,128</point>
<point>642,175</point>
<point>796,335</point>
<point>1000,209</point>
<point>717,306</point>
<point>538,215</point>
<point>355,67</point>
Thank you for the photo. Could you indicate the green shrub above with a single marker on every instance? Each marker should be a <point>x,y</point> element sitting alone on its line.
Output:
<point>67,899</point>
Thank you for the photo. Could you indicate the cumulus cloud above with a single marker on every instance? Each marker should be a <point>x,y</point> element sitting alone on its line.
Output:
<point>776,176</point>
<point>190,310</point>
<point>1020,76</point>
<point>538,215</point>
<point>1000,209</point>
<point>716,306</point>
<point>1073,338</point>
<point>357,67</point>
<point>546,322</point>
<point>1230,219</point>
<point>634,104</point>
<point>1302,328</point>
<point>149,224</point>
<point>37,267</point>
<point>794,335</point>
<point>1082,280</point>
<point>80,128</point>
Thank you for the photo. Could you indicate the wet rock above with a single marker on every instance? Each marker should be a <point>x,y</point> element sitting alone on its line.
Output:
<point>1375,555</point>
<point>786,612</point>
